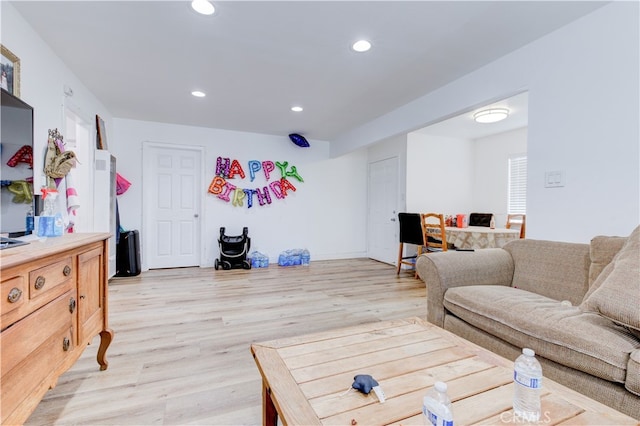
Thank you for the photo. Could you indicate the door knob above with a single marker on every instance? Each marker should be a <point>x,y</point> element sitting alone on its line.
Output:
<point>196,215</point>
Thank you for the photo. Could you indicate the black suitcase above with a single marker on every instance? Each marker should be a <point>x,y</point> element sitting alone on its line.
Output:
<point>128,254</point>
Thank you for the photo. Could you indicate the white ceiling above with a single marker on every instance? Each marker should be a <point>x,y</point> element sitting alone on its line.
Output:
<point>256,59</point>
<point>464,126</point>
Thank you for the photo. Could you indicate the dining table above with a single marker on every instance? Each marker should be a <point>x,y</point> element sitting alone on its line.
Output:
<point>480,237</point>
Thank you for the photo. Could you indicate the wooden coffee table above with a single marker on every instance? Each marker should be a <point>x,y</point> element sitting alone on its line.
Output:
<point>305,378</point>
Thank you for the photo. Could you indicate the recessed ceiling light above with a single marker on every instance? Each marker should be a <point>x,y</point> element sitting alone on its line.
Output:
<point>198,94</point>
<point>492,115</point>
<point>203,6</point>
<point>296,108</point>
<point>361,46</point>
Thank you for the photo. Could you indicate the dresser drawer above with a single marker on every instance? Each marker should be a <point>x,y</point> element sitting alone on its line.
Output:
<point>27,335</point>
<point>51,279</point>
<point>33,376</point>
<point>14,294</point>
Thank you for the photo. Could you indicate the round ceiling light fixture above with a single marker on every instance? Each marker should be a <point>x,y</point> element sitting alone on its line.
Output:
<point>492,115</point>
<point>198,94</point>
<point>361,46</point>
<point>297,108</point>
<point>203,7</point>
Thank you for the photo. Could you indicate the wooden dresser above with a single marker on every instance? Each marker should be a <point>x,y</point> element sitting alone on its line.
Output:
<point>54,302</point>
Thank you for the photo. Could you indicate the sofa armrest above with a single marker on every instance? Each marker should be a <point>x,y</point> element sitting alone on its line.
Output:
<point>444,270</point>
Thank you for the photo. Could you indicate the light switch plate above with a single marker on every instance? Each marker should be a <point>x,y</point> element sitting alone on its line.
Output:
<point>554,179</point>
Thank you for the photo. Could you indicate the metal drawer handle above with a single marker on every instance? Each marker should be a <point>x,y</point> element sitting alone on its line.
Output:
<point>66,271</point>
<point>72,305</point>
<point>66,343</point>
<point>39,282</point>
<point>14,295</point>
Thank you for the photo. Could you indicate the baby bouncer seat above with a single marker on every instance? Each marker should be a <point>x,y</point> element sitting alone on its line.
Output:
<point>234,250</point>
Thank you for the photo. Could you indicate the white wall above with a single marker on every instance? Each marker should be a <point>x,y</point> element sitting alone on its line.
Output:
<point>440,174</point>
<point>42,79</point>
<point>491,172</point>
<point>584,118</point>
<point>452,176</point>
<point>326,214</point>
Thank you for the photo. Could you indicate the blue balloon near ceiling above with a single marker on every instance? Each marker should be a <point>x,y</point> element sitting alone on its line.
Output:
<point>299,140</point>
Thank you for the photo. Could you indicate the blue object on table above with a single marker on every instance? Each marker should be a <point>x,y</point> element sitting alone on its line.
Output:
<point>364,383</point>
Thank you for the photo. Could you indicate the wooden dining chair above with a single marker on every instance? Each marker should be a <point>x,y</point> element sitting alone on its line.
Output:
<point>517,220</point>
<point>434,237</point>
<point>410,233</point>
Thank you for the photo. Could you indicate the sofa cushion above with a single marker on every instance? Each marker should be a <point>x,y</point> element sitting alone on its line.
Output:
<point>584,341</point>
<point>616,291</point>
<point>602,250</point>
<point>554,269</point>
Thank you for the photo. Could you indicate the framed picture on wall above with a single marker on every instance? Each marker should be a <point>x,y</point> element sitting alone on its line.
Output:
<point>10,71</point>
<point>101,139</point>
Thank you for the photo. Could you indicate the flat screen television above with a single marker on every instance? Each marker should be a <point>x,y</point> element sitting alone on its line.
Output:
<point>16,167</point>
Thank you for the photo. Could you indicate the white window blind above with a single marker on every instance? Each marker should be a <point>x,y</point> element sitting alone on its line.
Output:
<point>517,185</point>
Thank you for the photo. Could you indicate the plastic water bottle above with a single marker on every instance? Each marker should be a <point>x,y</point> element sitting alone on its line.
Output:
<point>296,257</point>
<point>58,225</point>
<point>527,380</point>
<point>29,222</point>
<point>436,406</point>
<point>305,257</point>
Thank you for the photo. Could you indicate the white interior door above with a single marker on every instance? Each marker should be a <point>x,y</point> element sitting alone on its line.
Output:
<point>383,215</point>
<point>171,185</point>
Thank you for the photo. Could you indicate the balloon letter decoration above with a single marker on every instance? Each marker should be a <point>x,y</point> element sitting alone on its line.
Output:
<point>294,173</point>
<point>235,169</point>
<point>279,188</point>
<point>299,140</point>
<point>254,166</point>
<point>285,185</point>
<point>263,197</point>
<point>225,195</point>
<point>268,167</point>
<point>23,155</point>
<point>282,167</point>
<point>249,193</point>
<point>222,167</point>
<point>216,185</point>
<point>238,196</point>
<point>276,188</point>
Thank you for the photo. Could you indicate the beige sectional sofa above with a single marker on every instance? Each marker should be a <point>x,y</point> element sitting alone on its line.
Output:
<point>576,305</point>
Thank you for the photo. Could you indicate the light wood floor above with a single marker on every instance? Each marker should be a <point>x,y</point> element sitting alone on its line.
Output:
<point>181,355</point>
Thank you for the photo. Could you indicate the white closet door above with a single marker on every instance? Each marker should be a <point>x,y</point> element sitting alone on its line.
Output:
<point>172,191</point>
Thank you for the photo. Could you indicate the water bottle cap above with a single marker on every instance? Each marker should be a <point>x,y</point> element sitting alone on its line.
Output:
<point>441,386</point>
<point>528,352</point>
